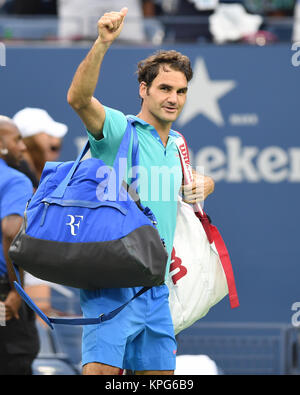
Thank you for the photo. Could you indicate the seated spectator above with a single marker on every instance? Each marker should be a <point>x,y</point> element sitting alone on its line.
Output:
<point>270,8</point>
<point>185,30</point>
<point>42,137</point>
<point>6,6</point>
<point>153,27</point>
<point>31,7</point>
<point>296,26</point>
<point>78,22</point>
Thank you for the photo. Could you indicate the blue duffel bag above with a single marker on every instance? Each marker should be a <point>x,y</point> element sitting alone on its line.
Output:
<point>85,233</point>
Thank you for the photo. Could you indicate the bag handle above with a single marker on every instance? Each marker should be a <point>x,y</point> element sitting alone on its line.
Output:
<point>61,188</point>
<point>58,193</point>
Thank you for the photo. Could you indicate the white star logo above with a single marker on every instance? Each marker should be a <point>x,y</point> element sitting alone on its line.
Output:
<point>203,96</point>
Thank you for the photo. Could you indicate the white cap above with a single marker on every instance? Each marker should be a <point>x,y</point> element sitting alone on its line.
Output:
<point>31,121</point>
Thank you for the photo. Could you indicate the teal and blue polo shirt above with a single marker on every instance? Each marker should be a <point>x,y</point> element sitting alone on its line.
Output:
<point>160,174</point>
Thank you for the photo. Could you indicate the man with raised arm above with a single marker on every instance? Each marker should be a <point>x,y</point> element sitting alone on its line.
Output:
<point>141,338</point>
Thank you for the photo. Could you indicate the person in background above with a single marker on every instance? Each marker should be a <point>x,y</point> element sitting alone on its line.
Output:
<point>43,138</point>
<point>79,23</point>
<point>6,7</point>
<point>30,7</point>
<point>19,342</point>
<point>183,25</point>
<point>296,24</point>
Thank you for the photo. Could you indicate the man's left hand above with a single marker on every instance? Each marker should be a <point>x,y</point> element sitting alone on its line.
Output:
<point>199,189</point>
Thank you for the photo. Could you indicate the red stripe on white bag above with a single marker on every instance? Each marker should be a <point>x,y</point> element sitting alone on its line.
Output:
<point>185,163</point>
<point>176,263</point>
<point>212,233</point>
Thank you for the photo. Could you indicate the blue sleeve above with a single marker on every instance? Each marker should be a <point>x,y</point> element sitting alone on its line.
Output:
<point>15,196</point>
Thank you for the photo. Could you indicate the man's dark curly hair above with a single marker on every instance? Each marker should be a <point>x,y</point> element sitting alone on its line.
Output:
<point>148,68</point>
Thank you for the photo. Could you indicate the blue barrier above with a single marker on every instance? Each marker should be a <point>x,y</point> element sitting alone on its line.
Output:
<point>55,357</point>
<point>245,348</point>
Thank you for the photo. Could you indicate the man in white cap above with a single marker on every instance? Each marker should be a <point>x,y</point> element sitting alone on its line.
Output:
<point>19,342</point>
<point>42,136</point>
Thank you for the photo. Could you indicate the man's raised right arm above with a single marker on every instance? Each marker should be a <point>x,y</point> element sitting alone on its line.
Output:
<point>81,92</point>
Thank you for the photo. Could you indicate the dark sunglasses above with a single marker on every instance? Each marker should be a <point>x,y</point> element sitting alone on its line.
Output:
<point>55,148</point>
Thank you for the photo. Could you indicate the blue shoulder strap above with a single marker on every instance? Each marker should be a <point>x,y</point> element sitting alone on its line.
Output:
<point>135,143</point>
<point>71,320</point>
<point>115,183</point>
<point>135,152</point>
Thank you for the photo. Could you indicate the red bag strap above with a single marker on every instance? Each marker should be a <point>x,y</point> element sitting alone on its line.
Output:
<point>212,233</point>
<point>226,263</point>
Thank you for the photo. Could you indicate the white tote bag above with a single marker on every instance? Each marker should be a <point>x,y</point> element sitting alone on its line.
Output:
<point>200,271</point>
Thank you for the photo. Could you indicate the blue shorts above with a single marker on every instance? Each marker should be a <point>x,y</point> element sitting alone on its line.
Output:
<point>140,337</point>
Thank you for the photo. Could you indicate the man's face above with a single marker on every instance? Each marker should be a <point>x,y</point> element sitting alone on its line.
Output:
<point>12,141</point>
<point>54,148</point>
<point>165,98</point>
<point>49,146</point>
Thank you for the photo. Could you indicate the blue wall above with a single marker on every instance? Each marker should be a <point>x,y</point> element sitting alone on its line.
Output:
<point>241,123</point>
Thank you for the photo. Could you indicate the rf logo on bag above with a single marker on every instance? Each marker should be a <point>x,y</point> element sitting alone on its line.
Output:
<point>74,225</point>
